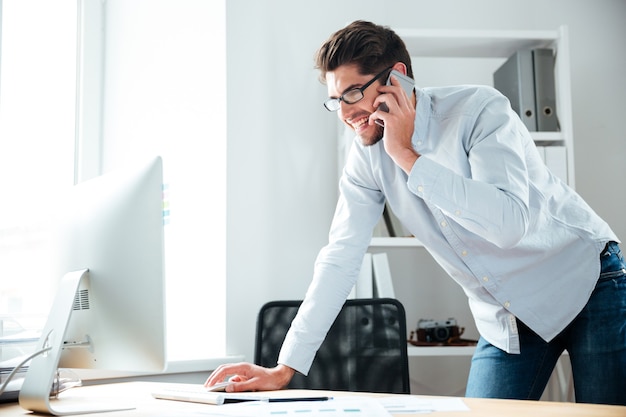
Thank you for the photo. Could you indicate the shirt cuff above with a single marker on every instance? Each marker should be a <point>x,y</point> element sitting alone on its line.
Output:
<point>296,355</point>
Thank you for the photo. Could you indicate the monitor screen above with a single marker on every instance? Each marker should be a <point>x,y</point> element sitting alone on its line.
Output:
<point>109,311</point>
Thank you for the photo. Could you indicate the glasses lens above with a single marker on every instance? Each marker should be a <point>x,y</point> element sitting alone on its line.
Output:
<point>352,96</point>
<point>332,104</point>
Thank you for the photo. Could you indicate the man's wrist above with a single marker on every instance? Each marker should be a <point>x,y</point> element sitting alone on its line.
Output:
<point>406,159</point>
<point>283,373</point>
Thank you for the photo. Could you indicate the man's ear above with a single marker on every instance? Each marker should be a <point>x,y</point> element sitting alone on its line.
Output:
<point>400,67</point>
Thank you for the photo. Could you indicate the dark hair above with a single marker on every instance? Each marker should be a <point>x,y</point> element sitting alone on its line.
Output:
<point>371,47</point>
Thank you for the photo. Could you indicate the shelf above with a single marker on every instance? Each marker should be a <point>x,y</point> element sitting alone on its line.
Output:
<point>548,137</point>
<point>501,44</point>
<point>482,51</point>
<point>395,242</point>
<point>440,350</point>
<point>473,43</point>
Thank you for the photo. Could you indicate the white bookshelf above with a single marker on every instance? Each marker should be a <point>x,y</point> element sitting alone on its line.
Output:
<point>440,350</point>
<point>390,242</point>
<point>495,46</point>
<point>484,51</point>
<point>471,57</point>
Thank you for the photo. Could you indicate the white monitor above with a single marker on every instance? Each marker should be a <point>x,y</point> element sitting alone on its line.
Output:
<point>109,311</point>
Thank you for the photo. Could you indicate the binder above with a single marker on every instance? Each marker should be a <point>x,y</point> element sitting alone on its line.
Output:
<point>556,161</point>
<point>382,276</point>
<point>515,79</point>
<point>364,287</point>
<point>542,152</point>
<point>527,80</point>
<point>545,95</point>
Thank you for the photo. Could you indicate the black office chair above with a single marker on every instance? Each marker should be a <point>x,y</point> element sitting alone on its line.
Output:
<point>364,350</point>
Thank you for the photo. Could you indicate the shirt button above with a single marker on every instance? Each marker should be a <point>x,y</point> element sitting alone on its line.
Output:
<point>464,253</point>
<point>507,304</point>
<point>443,223</point>
<point>486,279</point>
<point>419,143</point>
<point>457,212</point>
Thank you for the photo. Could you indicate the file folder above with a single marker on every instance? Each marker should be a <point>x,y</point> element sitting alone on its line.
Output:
<point>382,276</point>
<point>527,80</point>
<point>556,161</point>
<point>545,95</point>
<point>515,79</point>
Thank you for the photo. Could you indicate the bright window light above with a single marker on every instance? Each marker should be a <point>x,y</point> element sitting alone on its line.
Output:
<point>37,123</point>
<point>165,94</point>
<point>146,88</point>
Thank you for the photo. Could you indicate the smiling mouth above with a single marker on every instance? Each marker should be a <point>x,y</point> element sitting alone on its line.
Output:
<point>358,123</point>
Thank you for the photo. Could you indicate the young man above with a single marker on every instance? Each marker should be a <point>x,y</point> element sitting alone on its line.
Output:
<point>541,270</point>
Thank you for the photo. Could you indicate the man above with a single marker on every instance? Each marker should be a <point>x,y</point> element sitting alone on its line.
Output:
<point>541,270</point>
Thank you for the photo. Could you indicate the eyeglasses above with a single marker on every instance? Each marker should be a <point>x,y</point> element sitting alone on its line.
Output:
<point>353,95</point>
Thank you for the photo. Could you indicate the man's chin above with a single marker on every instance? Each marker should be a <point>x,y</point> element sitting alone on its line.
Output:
<point>371,140</point>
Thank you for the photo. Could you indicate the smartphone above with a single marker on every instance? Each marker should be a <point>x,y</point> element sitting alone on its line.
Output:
<point>407,84</point>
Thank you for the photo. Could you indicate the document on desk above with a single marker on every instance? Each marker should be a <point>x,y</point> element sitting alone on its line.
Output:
<point>338,406</point>
<point>404,404</point>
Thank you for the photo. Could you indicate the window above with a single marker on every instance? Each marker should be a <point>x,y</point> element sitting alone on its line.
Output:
<point>37,108</point>
<point>164,84</point>
<point>151,81</point>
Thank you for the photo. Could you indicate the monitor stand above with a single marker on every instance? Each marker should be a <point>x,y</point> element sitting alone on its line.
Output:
<point>35,392</point>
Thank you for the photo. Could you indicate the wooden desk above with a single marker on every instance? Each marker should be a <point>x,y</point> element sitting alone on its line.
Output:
<point>138,394</point>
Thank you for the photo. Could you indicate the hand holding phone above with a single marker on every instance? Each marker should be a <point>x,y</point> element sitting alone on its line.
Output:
<point>407,84</point>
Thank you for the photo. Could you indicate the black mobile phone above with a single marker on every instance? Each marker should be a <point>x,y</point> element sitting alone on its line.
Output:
<point>407,84</point>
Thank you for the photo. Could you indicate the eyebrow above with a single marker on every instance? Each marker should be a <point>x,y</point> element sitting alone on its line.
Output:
<point>350,87</point>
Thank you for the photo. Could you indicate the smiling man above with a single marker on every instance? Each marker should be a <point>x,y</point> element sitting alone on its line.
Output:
<point>542,272</point>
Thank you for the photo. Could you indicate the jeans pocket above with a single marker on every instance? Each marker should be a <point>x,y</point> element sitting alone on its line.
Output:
<point>612,263</point>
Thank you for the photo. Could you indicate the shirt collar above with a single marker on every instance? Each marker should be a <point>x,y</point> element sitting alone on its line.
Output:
<point>422,115</point>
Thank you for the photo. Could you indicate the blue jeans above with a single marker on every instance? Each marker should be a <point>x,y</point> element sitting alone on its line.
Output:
<point>595,341</point>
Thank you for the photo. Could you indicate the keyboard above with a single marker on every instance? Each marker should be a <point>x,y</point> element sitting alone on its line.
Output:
<point>199,394</point>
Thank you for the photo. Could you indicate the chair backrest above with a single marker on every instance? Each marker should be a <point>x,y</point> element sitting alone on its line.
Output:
<point>364,350</point>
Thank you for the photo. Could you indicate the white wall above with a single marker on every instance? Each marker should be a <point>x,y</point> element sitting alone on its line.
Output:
<point>282,146</point>
<point>164,94</point>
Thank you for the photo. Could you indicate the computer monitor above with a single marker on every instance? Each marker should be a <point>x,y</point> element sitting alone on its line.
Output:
<point>109,310</point>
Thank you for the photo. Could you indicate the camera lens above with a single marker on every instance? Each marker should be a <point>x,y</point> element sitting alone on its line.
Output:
<point>441,334</point>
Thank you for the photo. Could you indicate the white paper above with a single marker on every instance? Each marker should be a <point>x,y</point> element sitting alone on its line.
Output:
<point>404,404</point>
<point>339,406</point>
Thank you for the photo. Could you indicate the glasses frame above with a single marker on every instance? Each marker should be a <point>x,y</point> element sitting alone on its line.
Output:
<point>333,104</point>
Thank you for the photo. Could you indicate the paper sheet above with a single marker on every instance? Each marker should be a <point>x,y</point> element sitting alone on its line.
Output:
<point>404,404</point>
<point>339,406</point>
<point>356,406</point>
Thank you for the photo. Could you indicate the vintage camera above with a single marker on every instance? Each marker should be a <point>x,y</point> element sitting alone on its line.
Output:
<point>437,331</point>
